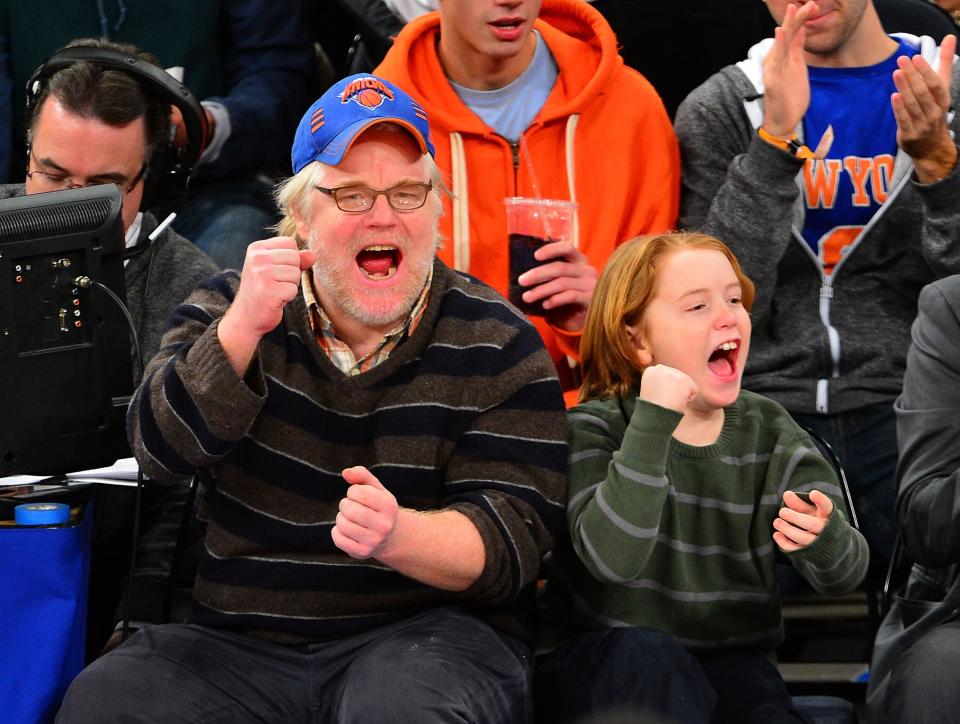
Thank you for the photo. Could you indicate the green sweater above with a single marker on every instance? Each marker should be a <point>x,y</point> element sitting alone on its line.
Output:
<point>679,538</point>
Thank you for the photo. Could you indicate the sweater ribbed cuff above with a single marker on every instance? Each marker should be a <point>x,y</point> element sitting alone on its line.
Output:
<point>230,403</point>
<point>647,438</point>
<point>828,546</point>
<point>493,584</point>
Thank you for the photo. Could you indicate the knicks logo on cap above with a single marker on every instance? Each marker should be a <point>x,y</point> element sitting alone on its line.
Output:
<point>368,92</point>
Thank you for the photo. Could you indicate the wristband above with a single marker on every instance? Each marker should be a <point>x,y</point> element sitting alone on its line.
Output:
<point>791,145</point>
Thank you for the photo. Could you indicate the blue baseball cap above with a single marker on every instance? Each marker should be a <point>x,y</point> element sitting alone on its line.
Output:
<point>347,109</point>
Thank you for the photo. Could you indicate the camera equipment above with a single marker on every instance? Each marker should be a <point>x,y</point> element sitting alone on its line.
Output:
<point>65,366</point>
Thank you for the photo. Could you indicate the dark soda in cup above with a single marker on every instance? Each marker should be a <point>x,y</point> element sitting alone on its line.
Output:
<point>522,259</point>
<point>532,223</point>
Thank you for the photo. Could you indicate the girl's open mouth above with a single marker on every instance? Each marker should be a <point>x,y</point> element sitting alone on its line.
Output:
<point>723,360</point>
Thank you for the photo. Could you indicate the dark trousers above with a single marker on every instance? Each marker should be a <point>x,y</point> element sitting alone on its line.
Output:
<point>640,674</point>
<point>865,440</point>
<point>749,689</point>
<point>440,666</point>
<point>629,674</point>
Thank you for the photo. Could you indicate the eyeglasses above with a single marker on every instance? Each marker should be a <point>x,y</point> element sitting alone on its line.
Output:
<point>357,199</point>
<point>55,181</point>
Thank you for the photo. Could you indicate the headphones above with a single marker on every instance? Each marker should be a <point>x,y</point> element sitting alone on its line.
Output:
<point>170,167</point>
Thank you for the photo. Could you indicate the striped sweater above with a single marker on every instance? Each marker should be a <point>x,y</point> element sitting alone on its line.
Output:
<point>679,537</point>
<point>466,415</point>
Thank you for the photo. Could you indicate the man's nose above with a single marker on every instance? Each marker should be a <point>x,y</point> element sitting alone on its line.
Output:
<point>381,213</point>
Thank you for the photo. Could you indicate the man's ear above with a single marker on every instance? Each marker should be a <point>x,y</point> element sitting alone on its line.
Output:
<point>639,341</point>
<point>303,228</point>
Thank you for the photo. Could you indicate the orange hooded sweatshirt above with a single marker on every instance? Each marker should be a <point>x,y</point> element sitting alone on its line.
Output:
<point>602,139</point>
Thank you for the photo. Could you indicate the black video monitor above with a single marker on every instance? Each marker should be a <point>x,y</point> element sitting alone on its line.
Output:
<point>65,368</point>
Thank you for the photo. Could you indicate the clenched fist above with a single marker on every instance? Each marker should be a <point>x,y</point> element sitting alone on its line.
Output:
<point>667,387</point>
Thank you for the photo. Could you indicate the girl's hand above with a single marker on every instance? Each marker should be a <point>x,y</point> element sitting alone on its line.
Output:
<point>799,522</point>
<point>667,387</point>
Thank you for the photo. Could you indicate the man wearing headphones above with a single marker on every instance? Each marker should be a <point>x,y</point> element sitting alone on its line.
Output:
<point>90,125</point>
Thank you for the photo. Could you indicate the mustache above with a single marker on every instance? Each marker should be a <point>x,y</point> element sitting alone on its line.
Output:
<point>400,241</point>
<point>356,244</point>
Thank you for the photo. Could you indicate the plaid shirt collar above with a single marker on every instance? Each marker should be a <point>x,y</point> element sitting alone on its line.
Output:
<point>338,351</point>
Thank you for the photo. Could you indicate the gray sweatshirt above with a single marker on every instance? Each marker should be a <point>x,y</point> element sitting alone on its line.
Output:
<point>821,343</point>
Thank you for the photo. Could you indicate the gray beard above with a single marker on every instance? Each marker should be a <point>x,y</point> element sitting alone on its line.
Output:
<point>367,307</point>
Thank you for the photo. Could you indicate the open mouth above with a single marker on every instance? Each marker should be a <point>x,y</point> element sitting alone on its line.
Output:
<point>379,261</point>
<point>507,28</point>
<point>723,360</point>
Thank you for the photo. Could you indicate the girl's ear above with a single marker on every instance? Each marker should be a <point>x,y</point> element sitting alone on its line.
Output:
<point>639,341</point>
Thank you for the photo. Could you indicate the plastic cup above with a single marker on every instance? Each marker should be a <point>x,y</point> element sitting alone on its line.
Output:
<point>531,223</point>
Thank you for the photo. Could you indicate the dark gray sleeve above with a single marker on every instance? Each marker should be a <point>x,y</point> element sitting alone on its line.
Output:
<point>928,430</point>
<point>160,281</point>
<point>735,186</point>
<point>941,212</point>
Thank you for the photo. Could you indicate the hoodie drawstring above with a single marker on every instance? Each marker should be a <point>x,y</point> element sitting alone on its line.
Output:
<point>461,205</point>
<point>461,196</point>
<point>569,137</point>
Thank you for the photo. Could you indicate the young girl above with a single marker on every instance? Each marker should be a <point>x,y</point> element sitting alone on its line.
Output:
<point>681,486</point>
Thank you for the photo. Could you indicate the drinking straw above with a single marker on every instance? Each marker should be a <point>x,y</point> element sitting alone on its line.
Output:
<point>525,150</point>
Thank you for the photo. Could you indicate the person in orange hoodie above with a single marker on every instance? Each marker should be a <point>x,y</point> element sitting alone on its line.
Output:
<point>533,100</point>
